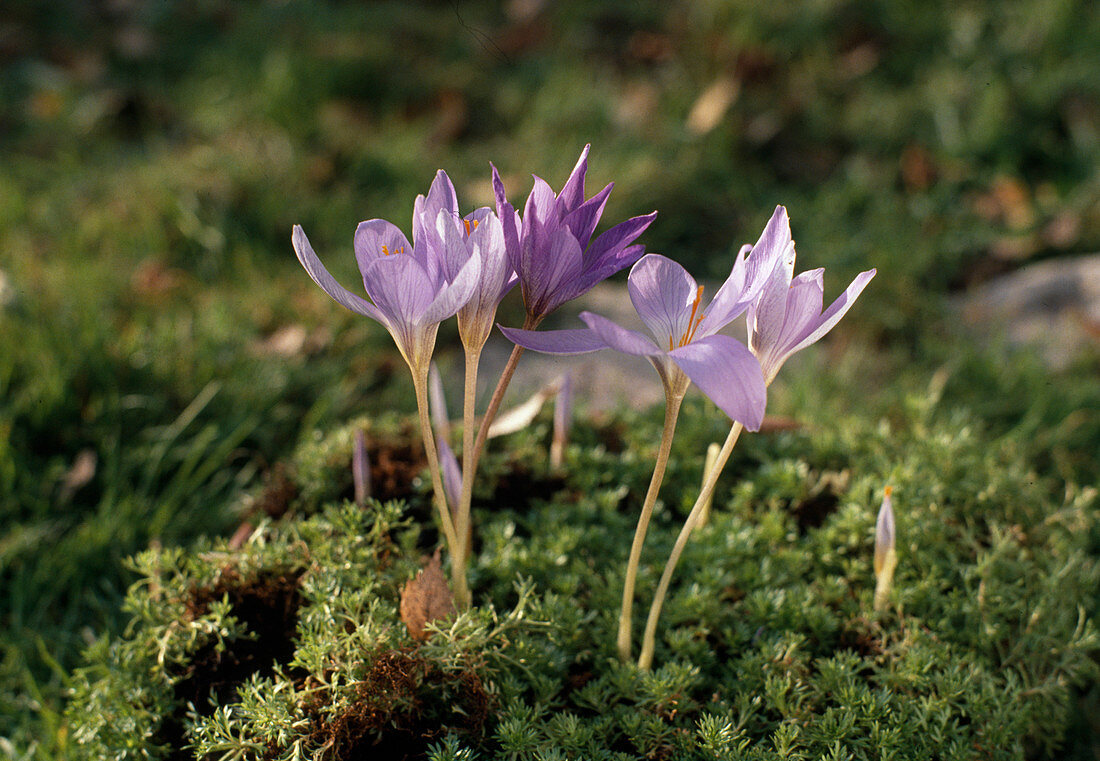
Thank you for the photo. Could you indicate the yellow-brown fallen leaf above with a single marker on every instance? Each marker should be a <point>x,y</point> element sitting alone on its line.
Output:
<point>426,598</point>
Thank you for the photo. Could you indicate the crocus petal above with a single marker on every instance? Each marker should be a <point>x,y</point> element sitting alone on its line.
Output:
<point>486,241</point>
<point>456,294</point>
<point>572,194</point>
<point>376,239</point>
<point>775,244</point>
<point>617,238</point>
<point>804,299</point>
<point>582,220</point>
<point>619,338</point>
<point>589,277</point>
<point>328,283</point>
<point>729,374</point>
<point>662,293</point>
<point>768,312</point>
<point>441,197</point>
<point>400,288</point>
<point>550,268</point>
<point>729,302</point>
<point>579,341</point>
<point>509,218</point>
<point>837,309</point>
<point>451,247</point>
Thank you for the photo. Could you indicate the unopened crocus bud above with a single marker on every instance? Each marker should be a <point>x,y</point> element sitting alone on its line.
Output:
<point>437,403</point>
<point>563,418</point>
<point>360,469</point>
<point>886,558</point>
<point>708,466</point>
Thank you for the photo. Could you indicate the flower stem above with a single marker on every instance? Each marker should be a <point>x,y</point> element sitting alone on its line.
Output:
<point>463,525</point>
<point>530,323</point>
<point>458,563</point>
<point>672,411</point>
<point>645,660</point>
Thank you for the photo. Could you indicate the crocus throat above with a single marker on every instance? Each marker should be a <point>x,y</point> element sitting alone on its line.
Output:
<point>386,250</point>
<point>693,322</point>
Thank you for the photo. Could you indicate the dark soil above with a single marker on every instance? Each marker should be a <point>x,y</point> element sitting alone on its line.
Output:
<point>268,608</point>
<point>814,510</point>
<point>404,705</point>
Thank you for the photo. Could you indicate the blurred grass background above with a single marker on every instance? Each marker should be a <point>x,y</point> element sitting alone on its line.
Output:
<point>161,349</point>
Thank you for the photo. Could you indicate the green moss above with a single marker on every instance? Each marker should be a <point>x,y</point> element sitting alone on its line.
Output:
<point>767,649</point>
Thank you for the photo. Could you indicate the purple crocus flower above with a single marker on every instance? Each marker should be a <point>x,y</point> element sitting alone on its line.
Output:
<point>686,343</point>
<point>787,316</point>
<point>412,288</point>
<point>552,250</point>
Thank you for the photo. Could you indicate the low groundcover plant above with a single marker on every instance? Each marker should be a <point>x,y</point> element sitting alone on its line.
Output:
<point>954,632</point>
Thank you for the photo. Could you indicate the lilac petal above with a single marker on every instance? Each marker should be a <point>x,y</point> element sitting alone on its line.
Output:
<point>451,249</point>
<point>837,309</point>
<point>400,288</point>
<point>586,280</point>
<point>617,238</point>
<point>663,293</point>
<point>768,313</point>
<point>441,197</point>
<point>619,338</point>
<point>572,193</point>
<point>486,241</point>
<point>327,282</point>
<point>540,224</point>
<point>579,341</point>
<point>542,281</point>
<point>456,294</point>
<point>509,220</point>
<point>804,299</point>
<point>582,220</point>
<point>377,238</point>
<point>729,374</point>
<point>452,474</point>
<point>775,244</point>
<point>732,298</point>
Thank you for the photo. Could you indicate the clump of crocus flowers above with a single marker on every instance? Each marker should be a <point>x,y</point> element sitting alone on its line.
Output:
<point>463,266</point>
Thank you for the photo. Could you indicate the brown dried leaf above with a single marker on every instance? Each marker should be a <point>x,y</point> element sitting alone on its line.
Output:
<point>426,598</point>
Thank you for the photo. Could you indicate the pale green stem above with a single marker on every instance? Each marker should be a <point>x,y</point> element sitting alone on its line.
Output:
<point>463,526</point>
<point>672,411</point>
<point>458,563</point>
<point>530,323</point>
<point>645,660</point>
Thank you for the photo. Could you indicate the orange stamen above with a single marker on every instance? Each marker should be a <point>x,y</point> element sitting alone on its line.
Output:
<point>693,322</point>
<point>466,222</point>
<point>385,251</point>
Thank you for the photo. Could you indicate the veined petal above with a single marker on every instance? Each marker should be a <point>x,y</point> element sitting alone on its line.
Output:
<point>768,313</point>
<point>663,294</point>
<point>455,294</point>
<point>509,218</point>
<point>804,299</point>
<point>577,341</point>
<point>327,282</point>
<point>775,245</point>
<point>729,302</point>
<point>729,374</point>
<point>619,338</point>
<point>549,269</point>
<point>452,250</point>
<point>377,239</point>
<point>441,197</point>
<point>400,288</point>
<point>486,241</point>
<point>572,193</point>
<point>583,219</point>
<point>615,239</point>
<point>836,310</point>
